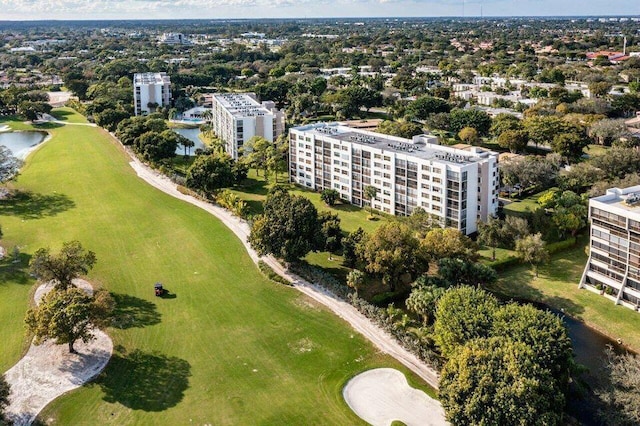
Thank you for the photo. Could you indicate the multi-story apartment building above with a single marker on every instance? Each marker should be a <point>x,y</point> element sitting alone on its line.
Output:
<point>456,185</point>
<point>613,267</point>
<point>237,117</point>
<point>150,89</point>
<point>174,38</point>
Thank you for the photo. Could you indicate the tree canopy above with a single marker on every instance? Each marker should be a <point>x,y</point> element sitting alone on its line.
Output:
<point>9,165</point>
<point>211,172</point>
<point>495,382</point>
<point>68,315</point>
<point>72,261</point>
<point>288,228</point>
<point>462,314</point>
<point>391,252</point>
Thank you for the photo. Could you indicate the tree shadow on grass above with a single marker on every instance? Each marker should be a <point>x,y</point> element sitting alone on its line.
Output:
<point>62,115</point>
<point>30,205</point>
<point>255,206</point>
<point>146,381</point>
<point>17,272</point>
<point>133,312</point>
<point>47,125</point>
<point>254,186</point>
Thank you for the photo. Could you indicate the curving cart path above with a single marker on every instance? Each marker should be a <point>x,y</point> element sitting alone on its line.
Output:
<point>381,339</point>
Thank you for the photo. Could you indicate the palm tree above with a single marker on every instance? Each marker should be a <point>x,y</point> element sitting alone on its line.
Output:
<point>370,192</point>
<point>187,144</point>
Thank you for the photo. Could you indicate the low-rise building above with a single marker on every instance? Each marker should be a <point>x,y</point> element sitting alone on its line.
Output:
<point>237,117</point>
<point>456,186</point>
<point>174,38</point>
<point>613,266</point>
<point>150,90</point>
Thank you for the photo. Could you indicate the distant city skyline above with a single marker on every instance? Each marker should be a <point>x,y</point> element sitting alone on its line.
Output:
<point>219,9</point>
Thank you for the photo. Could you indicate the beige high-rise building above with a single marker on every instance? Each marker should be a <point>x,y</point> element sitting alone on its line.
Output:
<point>150,89</point>
<point>237,117</point>
<point>613,267</point>
<point>457,186</point>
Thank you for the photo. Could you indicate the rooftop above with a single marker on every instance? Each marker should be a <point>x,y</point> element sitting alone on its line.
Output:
<point>241,104</point>
<point>627,199</point>
<point>151,78</point>
<point>421,146</point>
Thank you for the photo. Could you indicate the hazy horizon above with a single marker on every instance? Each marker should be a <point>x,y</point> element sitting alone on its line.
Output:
<point>81,10</point>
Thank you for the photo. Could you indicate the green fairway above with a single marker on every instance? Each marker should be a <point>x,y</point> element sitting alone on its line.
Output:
<point>229,346</point>
<point>557,286</point>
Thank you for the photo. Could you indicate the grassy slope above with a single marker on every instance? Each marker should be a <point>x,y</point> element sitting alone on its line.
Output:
<point>255,188</point>
<point>190,358</point>
<point>557,286</point>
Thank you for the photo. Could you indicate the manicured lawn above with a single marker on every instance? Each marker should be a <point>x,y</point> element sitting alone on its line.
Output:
<point>254,190</point>
<point>230,348</point>
<point>68,115</point>
<point>518,207</point>
<point>557,286</point>
<point>486,253</point>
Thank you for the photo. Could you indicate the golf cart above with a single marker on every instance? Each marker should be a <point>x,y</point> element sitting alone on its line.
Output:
<point>159,289</point>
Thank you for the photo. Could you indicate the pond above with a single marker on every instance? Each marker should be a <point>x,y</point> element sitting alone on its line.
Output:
<point>21,143</point>
<point>191,134</point>
<point>589,348</point>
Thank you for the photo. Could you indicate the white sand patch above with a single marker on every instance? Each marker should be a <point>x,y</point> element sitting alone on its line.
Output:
<point>383,395</point>
<point>44,289</point>
<point>49,370</point>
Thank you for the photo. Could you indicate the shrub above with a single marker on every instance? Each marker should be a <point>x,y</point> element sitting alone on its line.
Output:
<point>271,274</point>
<point>504,263</point>
<point>561,245</point>
<point>233,203</point>
<point>378,316</point>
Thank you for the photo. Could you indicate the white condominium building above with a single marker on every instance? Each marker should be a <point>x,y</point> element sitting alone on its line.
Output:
<point>613,267</point>
<point>456,185</point>
<point>174,38</point>
<point>150,89</point>
<point>237,117</point>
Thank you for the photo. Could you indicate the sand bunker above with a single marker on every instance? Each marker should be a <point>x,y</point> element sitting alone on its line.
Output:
<point>383,395</point>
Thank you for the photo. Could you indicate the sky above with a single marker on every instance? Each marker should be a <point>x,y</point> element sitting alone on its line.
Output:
<point>217,9</point>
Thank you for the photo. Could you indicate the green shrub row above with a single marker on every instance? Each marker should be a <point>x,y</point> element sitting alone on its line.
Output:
<point>561,245</point>
<point>378,316</point>
<point>271,274</point>
<point>504,263</point>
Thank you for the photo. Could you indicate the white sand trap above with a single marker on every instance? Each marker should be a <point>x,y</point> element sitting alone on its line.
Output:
<point>383,395</point>
<point>49,370</point>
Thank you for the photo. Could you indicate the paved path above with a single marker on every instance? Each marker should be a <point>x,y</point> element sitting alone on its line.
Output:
<point>381,339</point>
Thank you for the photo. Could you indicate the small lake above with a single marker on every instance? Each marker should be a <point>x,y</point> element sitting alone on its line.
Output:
<point>589,349</point>
<point>192,135</point>
<point>20,143</point>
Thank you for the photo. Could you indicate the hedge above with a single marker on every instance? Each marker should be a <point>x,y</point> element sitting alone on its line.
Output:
<point>561,245</point>
<point>504,263</point>
<point>271,274</point>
